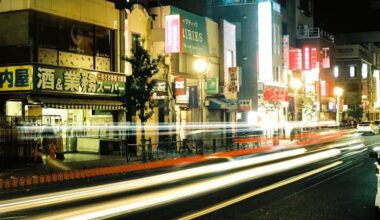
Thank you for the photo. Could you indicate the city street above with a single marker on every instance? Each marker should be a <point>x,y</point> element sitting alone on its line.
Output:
<point>332,181</point>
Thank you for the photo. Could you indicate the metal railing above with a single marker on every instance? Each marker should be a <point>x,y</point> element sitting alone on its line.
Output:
<point>305,33</point>
<point>218,3</point>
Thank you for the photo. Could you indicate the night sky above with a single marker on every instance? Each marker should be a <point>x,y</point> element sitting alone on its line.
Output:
<point>338,16</point>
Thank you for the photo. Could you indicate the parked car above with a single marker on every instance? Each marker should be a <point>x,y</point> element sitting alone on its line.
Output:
<point>367,127</point>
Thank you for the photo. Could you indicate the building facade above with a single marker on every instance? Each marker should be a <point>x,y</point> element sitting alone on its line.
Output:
<point>59,66</point>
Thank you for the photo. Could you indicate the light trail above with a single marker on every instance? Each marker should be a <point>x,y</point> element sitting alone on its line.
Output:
<point>259,191</point>
<point>154,199</point>
<point>124,186</point>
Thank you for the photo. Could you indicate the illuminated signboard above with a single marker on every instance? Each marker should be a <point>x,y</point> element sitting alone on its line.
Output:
<point>265,40</point>
<point>295,59</point>
<point>16,78</point>
<point>173,34</point>
<point>325,57</point>
<point>79,81</point>
<point>309,58</point>
<point>306,58</point>
<point>180,86</point>
<point>193,30</point>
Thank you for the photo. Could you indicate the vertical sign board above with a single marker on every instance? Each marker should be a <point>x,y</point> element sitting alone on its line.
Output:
<point>193,32</point>
<point>233,85</point>
<point>313,58</point>
<point>295,59</point>
<point>306,58</point>
<point>193,97</point>
<point>325,53</point>
<point>212,85</point>
<point>285,51</point>
<point>173,34</point>
<point>180,86</point>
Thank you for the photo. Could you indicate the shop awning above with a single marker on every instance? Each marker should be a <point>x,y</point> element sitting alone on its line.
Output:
<point>78,103</point>
<point>221,103</point>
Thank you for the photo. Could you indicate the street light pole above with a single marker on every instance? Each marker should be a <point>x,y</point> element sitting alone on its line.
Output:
<point>338,93</point>
<point>296,84</point>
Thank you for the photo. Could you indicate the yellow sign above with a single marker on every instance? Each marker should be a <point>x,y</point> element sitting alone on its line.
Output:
<point>16,78</point>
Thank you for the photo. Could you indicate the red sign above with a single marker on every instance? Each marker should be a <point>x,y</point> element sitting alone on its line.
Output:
<point>325,57</point>
<point>275,94</point>
<point>180,86</point>
<point>295,59</point>
<point>309,58</point>
<point>173,34</point>
<point>313,58</point>
<point>306,58</point>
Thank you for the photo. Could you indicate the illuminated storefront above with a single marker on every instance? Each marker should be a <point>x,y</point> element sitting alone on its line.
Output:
<point>60,70</point>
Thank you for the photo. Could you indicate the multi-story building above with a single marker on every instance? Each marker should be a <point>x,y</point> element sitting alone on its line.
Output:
<point>309,61</point>
<point>201,56</point>
<point>59,65</point>
<point>259,57</point>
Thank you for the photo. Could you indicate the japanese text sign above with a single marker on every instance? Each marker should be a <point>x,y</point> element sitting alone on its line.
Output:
<point>78,81</point>
<point>194,32</point>
<point>16,78</point>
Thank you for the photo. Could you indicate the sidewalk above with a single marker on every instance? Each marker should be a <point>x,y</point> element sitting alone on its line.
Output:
<point>81,165</point>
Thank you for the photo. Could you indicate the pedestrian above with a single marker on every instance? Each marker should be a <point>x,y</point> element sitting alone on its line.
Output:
<point>48,136</point>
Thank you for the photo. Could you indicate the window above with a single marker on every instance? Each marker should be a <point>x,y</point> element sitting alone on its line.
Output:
<point>284,28</point>
<point>276,74</point>
<point>69,43</point>
<point>306,7</point>
<point>352,71</point>
<point>136,40</point>
<point>229,58</point>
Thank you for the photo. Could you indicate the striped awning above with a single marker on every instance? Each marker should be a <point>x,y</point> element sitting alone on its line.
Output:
<point>79,103</point>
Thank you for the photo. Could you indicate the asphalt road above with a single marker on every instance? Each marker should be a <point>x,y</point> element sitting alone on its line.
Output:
<point>346,192</point>
<point>341,187</point>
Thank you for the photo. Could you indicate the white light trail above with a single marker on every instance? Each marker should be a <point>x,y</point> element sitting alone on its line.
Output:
<point>149,200</point>
<point>124,186</point>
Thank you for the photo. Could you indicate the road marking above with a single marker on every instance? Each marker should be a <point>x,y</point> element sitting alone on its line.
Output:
<point>259,191</point>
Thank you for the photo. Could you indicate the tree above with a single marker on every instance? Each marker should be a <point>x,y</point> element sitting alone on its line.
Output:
<point>356,112</point>
<point>139,87</point>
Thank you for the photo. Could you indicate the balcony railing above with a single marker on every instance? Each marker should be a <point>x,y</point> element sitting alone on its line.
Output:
<point>217,3</point>
<point>305,33</point>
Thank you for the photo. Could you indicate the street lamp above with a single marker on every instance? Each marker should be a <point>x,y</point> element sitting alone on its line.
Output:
<point>296,84</point>
<point>338,93</point>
